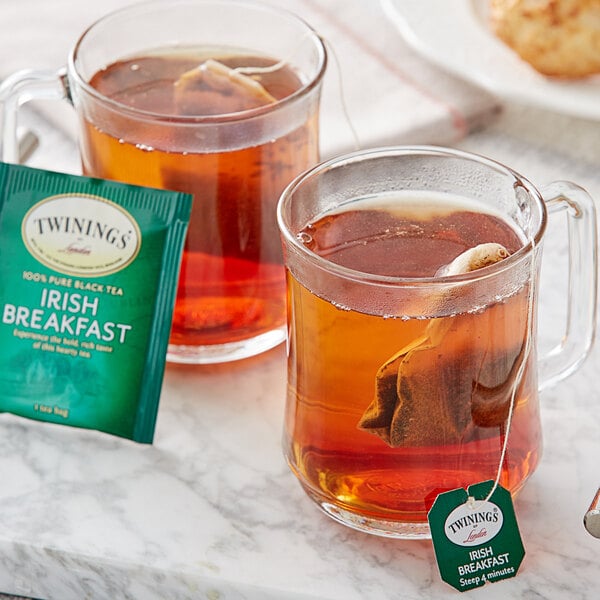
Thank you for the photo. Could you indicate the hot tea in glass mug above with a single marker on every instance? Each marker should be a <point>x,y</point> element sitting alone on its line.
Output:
<point>412,295</point>
<point>217,98</point>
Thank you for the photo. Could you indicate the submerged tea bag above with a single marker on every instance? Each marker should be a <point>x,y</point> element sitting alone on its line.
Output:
<point>226,90</point>
<point>424,396</point>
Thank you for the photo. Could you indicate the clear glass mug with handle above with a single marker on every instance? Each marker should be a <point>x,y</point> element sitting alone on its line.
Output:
<point>218,98</point>
<point>411,368</point>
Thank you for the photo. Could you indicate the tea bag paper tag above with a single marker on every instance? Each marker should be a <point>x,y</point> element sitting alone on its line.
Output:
<point>476,541</point>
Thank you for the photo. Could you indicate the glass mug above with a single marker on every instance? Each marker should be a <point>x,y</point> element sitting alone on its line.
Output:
<point>152,110</point>
<point>401,372</point>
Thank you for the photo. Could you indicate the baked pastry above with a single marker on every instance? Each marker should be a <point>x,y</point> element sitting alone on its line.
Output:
<point>559,38</point>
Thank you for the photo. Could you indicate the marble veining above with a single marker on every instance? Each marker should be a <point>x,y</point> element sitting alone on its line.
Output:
<point>212,511</point>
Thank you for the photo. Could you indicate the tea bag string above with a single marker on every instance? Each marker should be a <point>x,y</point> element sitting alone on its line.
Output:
<point>256,70</point>
<point>519,377</point>
<point>342,95</point>
<point>340,80</point>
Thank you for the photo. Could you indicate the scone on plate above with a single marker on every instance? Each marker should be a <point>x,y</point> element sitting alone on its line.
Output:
<point>560,38</point>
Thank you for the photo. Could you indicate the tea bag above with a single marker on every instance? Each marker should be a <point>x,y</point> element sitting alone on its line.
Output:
<point>219,89</point>
<point>411,405</point>
<point>491,391</point>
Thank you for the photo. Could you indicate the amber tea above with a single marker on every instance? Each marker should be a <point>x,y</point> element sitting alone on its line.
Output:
<point>232,283</point>
<point>385,411</point>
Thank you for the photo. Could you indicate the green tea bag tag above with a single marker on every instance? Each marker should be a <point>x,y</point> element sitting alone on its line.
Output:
<point>475,541</point>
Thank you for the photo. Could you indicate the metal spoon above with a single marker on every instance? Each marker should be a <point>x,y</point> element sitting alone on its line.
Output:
<point>591,520</point>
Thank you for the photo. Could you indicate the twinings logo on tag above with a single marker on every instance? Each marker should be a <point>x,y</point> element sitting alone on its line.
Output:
<point>81,235</point>
<point>472,525</point>
<point>476,539</point>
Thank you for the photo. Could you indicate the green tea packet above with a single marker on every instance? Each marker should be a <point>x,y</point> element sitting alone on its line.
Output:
<point>88,275</point>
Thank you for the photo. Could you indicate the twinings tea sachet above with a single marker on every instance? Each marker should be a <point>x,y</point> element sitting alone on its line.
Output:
<point>475,536</point>
<point>88,274</point>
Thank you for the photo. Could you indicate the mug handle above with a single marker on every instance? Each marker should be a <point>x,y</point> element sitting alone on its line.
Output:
<point>566,357</point>
<point>16,90</point>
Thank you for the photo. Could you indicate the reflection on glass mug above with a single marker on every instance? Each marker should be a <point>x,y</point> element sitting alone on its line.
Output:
<point>412,286</point>
<point>218,98</point>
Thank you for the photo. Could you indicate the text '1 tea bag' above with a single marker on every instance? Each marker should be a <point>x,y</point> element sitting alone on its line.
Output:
<point>410,409</point>
<point>88,273</point>
<point>215,85</point>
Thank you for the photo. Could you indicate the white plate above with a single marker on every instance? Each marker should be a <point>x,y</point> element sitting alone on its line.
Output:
<point>455,35</point>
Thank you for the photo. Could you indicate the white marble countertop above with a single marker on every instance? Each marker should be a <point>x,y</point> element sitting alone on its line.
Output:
<point>211,509</point>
